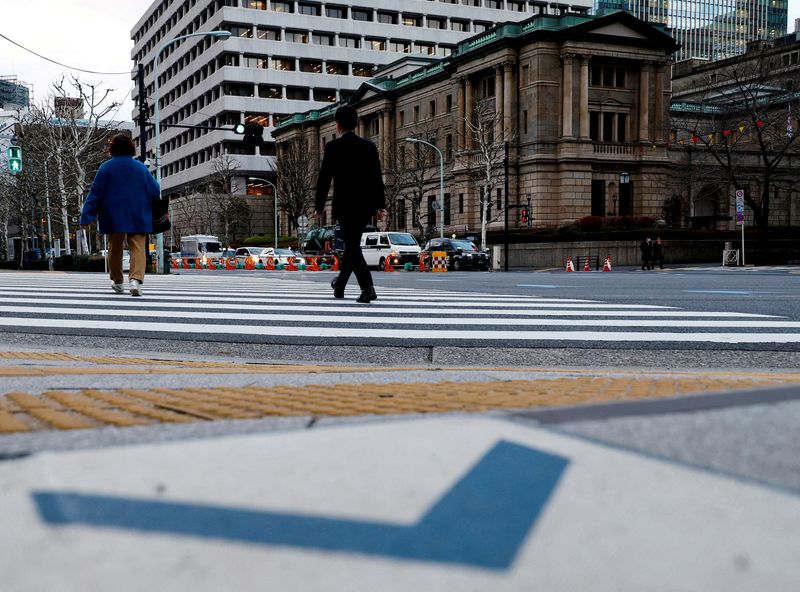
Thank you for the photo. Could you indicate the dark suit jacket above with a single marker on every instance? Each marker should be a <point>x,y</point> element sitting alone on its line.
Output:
<point>353,165</point>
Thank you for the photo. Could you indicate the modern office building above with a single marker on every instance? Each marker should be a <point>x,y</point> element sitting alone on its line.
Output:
<point>285,57</point>
<point>14,94</point>
<point>710,29</point>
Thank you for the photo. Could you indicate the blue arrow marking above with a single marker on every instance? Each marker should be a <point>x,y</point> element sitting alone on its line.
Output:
<point>481,521</point>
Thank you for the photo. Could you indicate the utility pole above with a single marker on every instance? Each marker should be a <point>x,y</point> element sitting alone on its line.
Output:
<point>505,169</point>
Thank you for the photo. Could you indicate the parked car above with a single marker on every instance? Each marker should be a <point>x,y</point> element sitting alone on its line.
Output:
<point>461,254</point>
<point>251,253</point>
<point>126,258</point>
<point>398,247</point>
<point>282,256</point>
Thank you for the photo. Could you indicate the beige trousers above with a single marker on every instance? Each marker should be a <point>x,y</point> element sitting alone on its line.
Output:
<point>136,245</point>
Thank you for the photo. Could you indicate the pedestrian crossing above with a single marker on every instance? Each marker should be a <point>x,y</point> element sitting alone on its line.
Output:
<point>293,310</point>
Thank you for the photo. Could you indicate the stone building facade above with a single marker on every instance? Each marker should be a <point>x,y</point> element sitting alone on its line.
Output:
<point>736,125</point>
<point>580,101</point>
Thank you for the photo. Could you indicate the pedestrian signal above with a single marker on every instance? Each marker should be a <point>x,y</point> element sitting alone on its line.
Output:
<point>253,133</point>
<point>523,217</point>
<point>15,159</point>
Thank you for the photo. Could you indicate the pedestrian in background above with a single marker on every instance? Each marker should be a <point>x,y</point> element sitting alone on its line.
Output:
<point>352,163</point>
<point>658,253</point>
<point>121,200</point>
<point>646,247</point>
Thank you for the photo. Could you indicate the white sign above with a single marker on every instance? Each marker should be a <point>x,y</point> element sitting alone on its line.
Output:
<point>740,197</point>
<point>302,220</point>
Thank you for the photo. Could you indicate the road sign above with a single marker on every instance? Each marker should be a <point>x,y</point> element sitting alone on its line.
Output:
<point>740,197</point>
<point>302,220</point>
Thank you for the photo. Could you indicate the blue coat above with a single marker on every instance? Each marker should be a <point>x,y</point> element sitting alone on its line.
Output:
<point>121,197</point>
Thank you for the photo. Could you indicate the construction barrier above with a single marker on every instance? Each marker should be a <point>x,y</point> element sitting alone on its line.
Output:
<point>438,261</point>
<point>387,265</point>
<point>570,266</point>
<point>586,264</point>
<point>230,263</point>
<point>607,264</point>
<point>290,266</point>
<point>422,266</point>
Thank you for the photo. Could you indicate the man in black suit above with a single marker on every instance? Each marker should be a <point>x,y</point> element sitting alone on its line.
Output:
<point>353,165</point>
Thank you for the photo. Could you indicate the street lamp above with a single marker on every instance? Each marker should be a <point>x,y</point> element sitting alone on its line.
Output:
<point>624,193</point>
<point>221,35</point>
<point>441,180</point>
<point>275,197</point>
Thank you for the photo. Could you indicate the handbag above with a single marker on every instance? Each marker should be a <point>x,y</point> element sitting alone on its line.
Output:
<point>161,221</point>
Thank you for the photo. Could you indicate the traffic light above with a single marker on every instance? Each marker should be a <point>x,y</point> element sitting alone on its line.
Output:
<point>253,134</point>
<point>523,216</point>
<point>15,159</point>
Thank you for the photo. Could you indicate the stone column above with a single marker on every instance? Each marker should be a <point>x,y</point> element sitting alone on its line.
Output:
<point>509,100</point>
<point>644,102</point>
<point>498,101</point>
<point>468,114</point>
<point>461,113</point>
<point>658,116</point>
<point>566,96</point>
<point>583,107</point>
<point>386,133</point>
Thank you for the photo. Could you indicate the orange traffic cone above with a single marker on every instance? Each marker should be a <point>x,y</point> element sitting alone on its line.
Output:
<point>607,264</point>
<point>290,266</point>
<point>335,266</point>
<point>570,267</point>
<point>387,264</point>
<point>586,265</point>
<point>422,266</point>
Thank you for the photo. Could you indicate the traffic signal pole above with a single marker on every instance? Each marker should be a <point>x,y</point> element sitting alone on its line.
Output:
<point>508,205</point>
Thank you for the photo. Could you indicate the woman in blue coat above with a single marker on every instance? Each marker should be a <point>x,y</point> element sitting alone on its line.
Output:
<point>121,199</point>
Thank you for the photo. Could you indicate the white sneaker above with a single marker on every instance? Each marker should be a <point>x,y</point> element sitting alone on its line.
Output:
<point>135,288</point>
<point>118,288</point>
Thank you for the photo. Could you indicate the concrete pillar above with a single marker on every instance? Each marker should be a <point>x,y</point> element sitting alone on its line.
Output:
<point>566,96</point>
<point>583,107</point>
<point>644,102</point>
<point>386,137</point>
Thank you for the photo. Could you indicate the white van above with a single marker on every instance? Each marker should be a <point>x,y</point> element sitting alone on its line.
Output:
<point>398,247</point>
<point>200,246</point>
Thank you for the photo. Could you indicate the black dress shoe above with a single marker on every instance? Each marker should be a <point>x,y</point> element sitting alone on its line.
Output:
<point>367,295</point>
<point>337,291</point>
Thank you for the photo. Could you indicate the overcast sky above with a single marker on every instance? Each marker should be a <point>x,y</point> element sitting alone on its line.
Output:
<point>88,34</point>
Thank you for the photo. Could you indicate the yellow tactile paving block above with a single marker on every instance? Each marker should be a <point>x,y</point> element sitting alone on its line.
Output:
<point>128,407</point>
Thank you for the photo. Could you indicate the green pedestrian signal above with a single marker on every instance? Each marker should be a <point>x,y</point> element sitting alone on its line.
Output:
<point>15,159</point>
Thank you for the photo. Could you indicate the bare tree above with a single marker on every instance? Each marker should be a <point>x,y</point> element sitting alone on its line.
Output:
<point>226,169</point>
<point>418,171</point>
<point>71,129</point>
<point>296,178</point>
<point>747,128</point>
<point>484,160</point>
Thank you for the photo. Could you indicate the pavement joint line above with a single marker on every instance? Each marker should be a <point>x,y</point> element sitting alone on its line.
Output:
<point>93,408</point>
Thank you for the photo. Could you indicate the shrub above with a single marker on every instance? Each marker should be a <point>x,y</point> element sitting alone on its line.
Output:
<point>589,223</point>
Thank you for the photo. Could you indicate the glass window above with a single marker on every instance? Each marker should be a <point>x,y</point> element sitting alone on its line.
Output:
<point>426,48</point>
<point>256,4</point>
<point>259,118</point>
<point>297,36</point>
<point>412,20</point>
<point>296,93</point>
<point>314,66</point>
<point>240,30</point>
<point>335,11</point>
<point>362,69</point>
<point>339,68</point>
<point>251,61</point>
<point>269,92</point>
<point>284,64</point>
<point>327,95</point>
<point>376,44</point>
<point>348,41</point>
<point>456,25</point>
<point>400,46</point>
<point>282,6</point>
<point>389,18</point>
<point>360,14</point>
<point>436,23</point>
<point>268,33</point>
<point>322,39</point>
<point>312,9</point>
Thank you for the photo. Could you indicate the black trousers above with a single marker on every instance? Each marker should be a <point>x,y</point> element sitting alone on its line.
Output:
<point>353,259</point>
